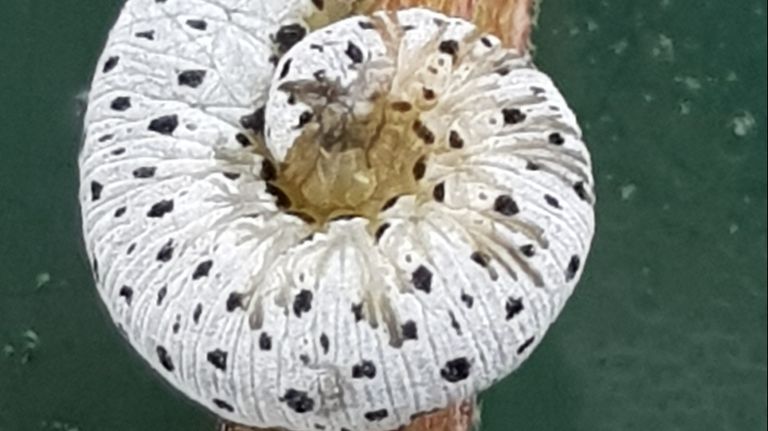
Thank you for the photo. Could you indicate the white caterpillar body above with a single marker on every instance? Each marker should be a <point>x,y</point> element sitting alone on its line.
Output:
<point>250,312</point>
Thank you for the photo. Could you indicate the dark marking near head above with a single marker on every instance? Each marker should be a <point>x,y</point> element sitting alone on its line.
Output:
<point>105,138</point>
<point>131,248</point>
<point>317,47</point>
<point>503,71</point>
<point>537,91</point>
<point>525,345</point>
<point>121,103</point>
<point>160,208</point>
<point>357,311</point>
<point>455,370</point>
<point>423,132</point>
<point>438,192</point>
<point>218,358</point>
<point>422,279</point>
<point>197,24</point>
<point>176,327</point>
<point>191,78</point>
<point>552,201</point>
<point>531,166</point>
<point>581,191</point>
<point>234,301</point>
<point>320,4</point>
<point>380,231</point>
<point>480,258</point>
<point>164,125</point>
<point>242,140</point>
<point>376,415</point>
<point>127,293</point>
<point>223,405</point>
<point>265,342</point>
<point>304,118</point>
<point>512,116</point>
<point>390,203</point>
<point>118,151</point>
<point>120,211</point>
<point>197,312</point>
<point>419,169</point>
<point>454,323</point>
<point>573,268</point>
<point>366,25</point>
<point>110,63</point>
<point>556,139</point>
<point>289,35</point>
<point>454,140</point>
<point>302,303</point>
<point>324,342</point>
<point>149,35</point>
<point>95,265</point>
<point>281,199</point>
<point>319,75</point>
<point>450,47</point>
<point>254,121</point>
<point>166,251</point>
<point>298,401</point>
<point>528,250</point>
<point>505,205</point>
<point>354,53</point>
<point>96,189</point>
<point>165,359</point>
<point>286,68</point>
<point>202,269</point>
<point>161,295</point>
<point>486,41</point>
<point>144,172</point>
<point>364,369</point>
<point>409,330</point>
<point>468,300</point>
<point>513,307</point>
<point>428,93</point>
<point>231,175</point>
<point>401,106</point>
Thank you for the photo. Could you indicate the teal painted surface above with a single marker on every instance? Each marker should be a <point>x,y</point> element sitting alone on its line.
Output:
<point>667,330</point>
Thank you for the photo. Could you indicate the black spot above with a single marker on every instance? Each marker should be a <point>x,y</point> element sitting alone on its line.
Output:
<point>409,330</point>
<point>176,327</point>
<point>197,312</point>
<point>304,118</point>
<point>504,204</point>
<point>439,192</point>
<point>503,71</point>
<point>486,41</point>
<point>512,116</point>
<point>365,25</point>
<point>223,405</point>
<point>218,358</point>
<point>573,268</point>
<point>423,132</point>
<point>160,208</point>
<point>380,231</point>
<point>289,35</point>
<point>401,106</point>
<point>234,301</point>
<point>110,63</point>
<point>202,269</point>
<point>131,248</point>
<point>242,140</point>
<point>324,342</point>
<point>317,47</point>
<point>528,250</point>
<point>164,125</point>
<point>468,300</point>
<point>105,138</point>
<point>450,47</point>
<point>319,75</point>
<point>581,191</point>
<point>191,78</point>
<point>302,303</point>
<point>255,121</point>
<point>513,306</point>
<point>144,172</point>
<point>304,358</point>
<point>357,311</point>
<point>480,258</point>
<point>118,151</point>
<point>281,199</point>
<point>390,202</point>
<point>197,24</point>
<point>364,369</point>
<point>455,370</point>
<point>165,359</point>
<point>419,169</point>
<point>298,401</point>
<point>231,175</point>
<point>96,189</point>
<point>422,279</point>
<point>525,345</point>
<point>161,295</point>
<point>376,415</point>
<point>286,68</point>
<point>95,265</point>
<point>552,201</point>
<point>274,59</point>
<point>354,53</point>
<point>120,211</point>
<point>454,323</point>
<point>428,93</point>
<point>265,342</point>
<point>320,4</point>
<point>537,90</point>
<point>556,139</point>
<point>166,251</point>
<point>531,166</point>
<point>454,140</point>
<point>149,35</point>
<point>127,293</point>
<point>120,103</point>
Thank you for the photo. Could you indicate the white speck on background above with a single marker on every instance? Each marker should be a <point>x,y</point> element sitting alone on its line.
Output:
<point>743,124</point>
<point>684,107</point>
<point>731,76</point>
<point>619,47</point>
<point>664,49</point>
<point>42,279</point>
<point>592,25</point>
<point>691,83</point>
<point>627,191</point>
<point>733,228</point>
<point>648,97</point>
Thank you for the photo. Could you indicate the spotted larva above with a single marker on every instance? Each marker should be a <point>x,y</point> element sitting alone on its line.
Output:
<point>330,229</point>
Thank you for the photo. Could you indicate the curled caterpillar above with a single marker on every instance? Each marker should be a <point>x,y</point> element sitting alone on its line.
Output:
<point>335,227</point>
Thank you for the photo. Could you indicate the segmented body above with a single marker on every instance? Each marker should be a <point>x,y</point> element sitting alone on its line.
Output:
<point>268,320</point>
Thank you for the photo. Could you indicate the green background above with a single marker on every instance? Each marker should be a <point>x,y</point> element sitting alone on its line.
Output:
<point>667,330</point>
